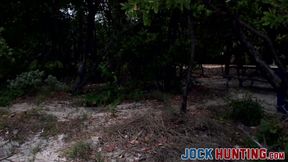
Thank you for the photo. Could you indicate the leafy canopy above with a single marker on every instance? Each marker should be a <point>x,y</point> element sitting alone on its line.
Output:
<point>145,8</point>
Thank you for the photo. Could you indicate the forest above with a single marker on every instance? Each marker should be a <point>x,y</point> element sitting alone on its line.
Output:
<point>142,80</point>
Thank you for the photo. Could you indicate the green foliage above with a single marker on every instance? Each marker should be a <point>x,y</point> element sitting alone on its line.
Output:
<point>277,15</point>
<point>105,96</point>
<point>27,80</point>
<point>113,95</point>
<point>146,8</point>
<point>273,20</point>
<point>9,59</point>
<point>246,111</point>
<point>33,80</point>
<point>112,108</point>
<point>9,95</point>
<point>106,73</point>
<point>99,157</point>
<point>5,51</point>
<point>23,83</point>
<point>54,65</point>
<point>271,133</point>
<point>54,84</point>
<point>80,150</point>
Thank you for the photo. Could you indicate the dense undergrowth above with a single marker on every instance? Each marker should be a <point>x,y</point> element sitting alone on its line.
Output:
<point>27,83</point>
<point>271,131</point>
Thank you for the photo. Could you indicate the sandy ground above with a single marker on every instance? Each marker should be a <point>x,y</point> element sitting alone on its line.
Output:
<point>51,149</point>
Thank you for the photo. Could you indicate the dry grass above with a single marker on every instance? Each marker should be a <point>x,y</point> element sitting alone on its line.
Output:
<point>21,125</point>
<point>162,136</point>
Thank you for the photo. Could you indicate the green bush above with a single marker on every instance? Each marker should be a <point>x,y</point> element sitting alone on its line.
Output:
<point>80,150</point>
<point>273,134</point>
<point>270,132</point>
<point>55,85</point>
<point>27,80</point>
<point>8,95</point>
<point>104,96</point>
<point>20,85</point>
<point>247,111</point>
<point>113,95</point>
<point>11,60</point>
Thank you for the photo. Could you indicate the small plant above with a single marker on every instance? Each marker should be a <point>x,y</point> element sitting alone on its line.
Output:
<point>270,132</point>
<point>134,95</point>
<point>247,111</point>
<point>273,135</point>
<point>80,150</point>
<point>112,107</point>
<point>105,96</point>
<point>99,157</point>
<point>36,149</point>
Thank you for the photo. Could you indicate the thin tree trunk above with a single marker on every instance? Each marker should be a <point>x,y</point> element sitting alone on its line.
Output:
<point>92,9</point>
<point>90,45</point>
<point>183,108</point>
<point>81,50</point>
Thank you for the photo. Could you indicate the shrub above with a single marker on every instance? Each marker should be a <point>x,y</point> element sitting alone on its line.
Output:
<point>80,150</point>
<point>8,95</point>
<point>273,134</point>
<point>20,85</point>
<point>27,80</point>
<point>247,111</point>
<point>112,94</point>
<point>270,132</point>
<point>102,97</point>
<point>53,83</point>
<point>11,60</point>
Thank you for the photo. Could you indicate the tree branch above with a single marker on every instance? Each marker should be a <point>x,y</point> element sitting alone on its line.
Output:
<point>269,73</point>
<point>268,41</point>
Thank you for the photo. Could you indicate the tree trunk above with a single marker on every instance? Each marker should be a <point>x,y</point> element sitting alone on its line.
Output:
<point>183,108</point>
<point>92,9</point>
<point>90,45</point>
<point>81,44</point>
<point>279,81</point>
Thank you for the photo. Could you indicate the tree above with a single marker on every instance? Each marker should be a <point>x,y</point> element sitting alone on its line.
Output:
<point>279,80</point>
<point>191,9</point>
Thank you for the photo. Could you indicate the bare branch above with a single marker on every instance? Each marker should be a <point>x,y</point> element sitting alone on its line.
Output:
<point>268,41</point>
